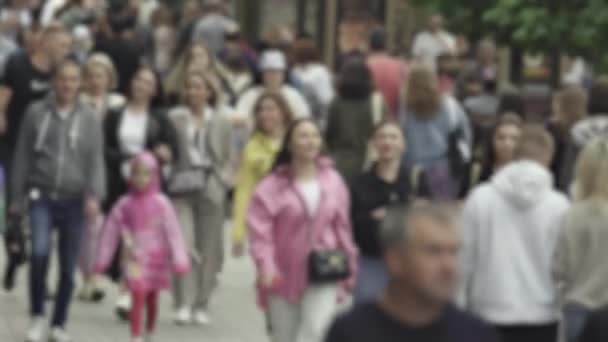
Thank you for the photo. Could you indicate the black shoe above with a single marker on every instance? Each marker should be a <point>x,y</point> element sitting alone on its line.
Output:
<point>122,314</point>
<point>97,296</point>
<point>9,276</point>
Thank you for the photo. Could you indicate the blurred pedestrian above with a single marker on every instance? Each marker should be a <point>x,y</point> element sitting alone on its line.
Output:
<point>497,151</point>
<point>272,117</point>
<point>438,133</point>
<point>299,224</point>
<point>352,117</point>
<point>420,249</point>
<point>134,128</point>
<point>199,181</point>
<point>197,57</point>
<point>594,125</point>
<point>433,42</point>
<point>386,183</point>
<point>58,171</point>
<point>212,26</point>
<point>26,79</point>
<point>479,71</point>
<point>569,107</point>
<point>153,245</point>
<point>389,73</point>
<point>510,228</point>
<point>315,78</point>
<point>274,71</point>
<point>578,271</point>
<point>100,80</point>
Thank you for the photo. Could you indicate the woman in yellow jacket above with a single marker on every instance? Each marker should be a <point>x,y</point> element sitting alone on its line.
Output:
<point>272,117</point>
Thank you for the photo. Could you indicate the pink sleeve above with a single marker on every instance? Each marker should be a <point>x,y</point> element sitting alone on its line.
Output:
<point>175,237</point>
<point>110,236</point>
<point>343,228</point>
<point>260,222</point>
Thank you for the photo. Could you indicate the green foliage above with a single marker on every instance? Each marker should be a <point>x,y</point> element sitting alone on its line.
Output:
<point>570,26</point>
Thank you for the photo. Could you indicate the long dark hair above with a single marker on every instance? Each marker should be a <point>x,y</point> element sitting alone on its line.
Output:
<point>280,101</point>
<point>355,80</point>
<point>284,157</point>
<point>489,159</point>
<point>157,101</point>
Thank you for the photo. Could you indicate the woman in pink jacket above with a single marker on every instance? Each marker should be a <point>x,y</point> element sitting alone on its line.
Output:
<point>301,208</point>
<point>153,246</point>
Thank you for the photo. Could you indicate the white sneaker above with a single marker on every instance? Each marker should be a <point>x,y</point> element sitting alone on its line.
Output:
<point>201,317</point>
<point>60,335</point>
<point>36,330</point>
<point>183,316</point>
<point>123,306</point>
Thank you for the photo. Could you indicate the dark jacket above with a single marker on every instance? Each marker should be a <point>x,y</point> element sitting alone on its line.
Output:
<point>369,192</point>
<point>596,328</point>
<point>159,131</point>
<point>62,158</point>
<point>582,133</point>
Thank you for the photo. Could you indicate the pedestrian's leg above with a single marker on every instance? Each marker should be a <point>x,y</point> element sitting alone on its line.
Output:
<point>319,306</point>
<point>183,284</point>
<point>138,298</point>
<point>70,224</point>
<point>152,311</point>
<point>210,238</point>
<point>40,221</point>
<point>575,317</point>
<point>284,318</point>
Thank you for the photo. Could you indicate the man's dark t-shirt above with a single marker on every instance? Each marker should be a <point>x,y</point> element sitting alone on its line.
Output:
<point>369,322</point>
<point>27,84</point>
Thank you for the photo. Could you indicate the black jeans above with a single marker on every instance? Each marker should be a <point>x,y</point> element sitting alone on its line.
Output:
<point>528,333</point>
<point>68,218</point>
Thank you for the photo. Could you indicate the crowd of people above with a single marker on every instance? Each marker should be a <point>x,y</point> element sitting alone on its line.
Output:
<point>415,183</point>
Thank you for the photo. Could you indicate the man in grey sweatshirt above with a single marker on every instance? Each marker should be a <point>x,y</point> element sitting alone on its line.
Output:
<point>59,173</point>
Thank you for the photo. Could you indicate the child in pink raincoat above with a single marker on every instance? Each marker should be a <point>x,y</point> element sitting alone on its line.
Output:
<point>154,247</point>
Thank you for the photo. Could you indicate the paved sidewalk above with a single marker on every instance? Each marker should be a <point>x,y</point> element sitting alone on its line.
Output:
<point>234,314</point>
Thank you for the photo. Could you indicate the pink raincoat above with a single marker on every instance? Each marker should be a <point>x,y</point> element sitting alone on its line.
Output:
<point>279,225</point>
<point>148,219</point>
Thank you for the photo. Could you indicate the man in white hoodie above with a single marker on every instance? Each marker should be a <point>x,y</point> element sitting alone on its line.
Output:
<point>510,229</point>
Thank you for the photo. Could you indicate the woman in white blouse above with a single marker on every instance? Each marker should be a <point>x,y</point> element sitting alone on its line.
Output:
<point>198,185</point>
<point>136,127</point>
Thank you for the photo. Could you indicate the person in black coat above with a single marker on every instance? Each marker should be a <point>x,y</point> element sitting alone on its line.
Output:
<point>138,126</point>
<point>388,182</point>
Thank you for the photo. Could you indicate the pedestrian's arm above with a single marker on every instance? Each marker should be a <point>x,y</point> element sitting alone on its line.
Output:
<point>5,97</point>
<point>110,237</point>
<point>469,227</point>
<point>96,165</point>
<point>260,220</point>
<point>22,160</point>
<point>175,239</point>
<point>344,229</point>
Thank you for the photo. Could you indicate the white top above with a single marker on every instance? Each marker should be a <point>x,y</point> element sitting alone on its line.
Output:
<point>132,136</point>
<point>510,229</point>
<point>198,141</point>
<point>311,192</point>
<point>428,46</point>
<point>319,78</point>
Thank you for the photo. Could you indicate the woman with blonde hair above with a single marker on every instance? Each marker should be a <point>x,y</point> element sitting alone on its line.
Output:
<point>581,253</point>
<point>438,133</point>
<point>101,79</point>
<point>196,57</point>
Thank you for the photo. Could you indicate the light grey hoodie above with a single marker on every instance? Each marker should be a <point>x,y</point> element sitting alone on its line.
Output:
<point>60,157</point>
<point>510,229</point>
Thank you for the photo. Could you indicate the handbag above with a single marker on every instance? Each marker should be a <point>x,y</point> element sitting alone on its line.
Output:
<point>186,182</point>
<point>326,265</point>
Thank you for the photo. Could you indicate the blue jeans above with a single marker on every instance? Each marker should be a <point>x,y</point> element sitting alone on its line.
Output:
<point>372,279</point>
<point>575,317</point>
<point>67,217</point>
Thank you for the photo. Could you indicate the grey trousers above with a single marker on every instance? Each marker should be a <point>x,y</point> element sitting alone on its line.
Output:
<point>202,221</point>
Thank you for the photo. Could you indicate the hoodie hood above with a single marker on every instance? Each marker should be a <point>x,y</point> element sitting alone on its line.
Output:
<point>589,129</point>
<point>523,183</point>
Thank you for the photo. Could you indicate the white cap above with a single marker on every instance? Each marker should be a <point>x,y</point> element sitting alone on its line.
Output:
<point>273,60</point>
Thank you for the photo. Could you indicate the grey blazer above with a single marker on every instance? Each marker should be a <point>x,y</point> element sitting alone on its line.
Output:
<point>220,147</point>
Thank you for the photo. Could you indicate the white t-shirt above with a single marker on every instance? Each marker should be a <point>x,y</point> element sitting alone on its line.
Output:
<point>132,136</point>
<point>428,46</point>
<point>311,192</point>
